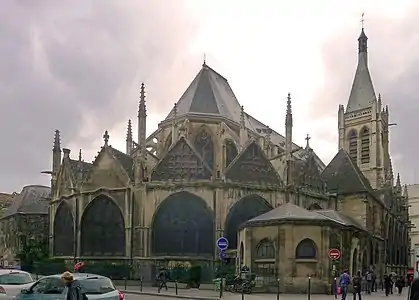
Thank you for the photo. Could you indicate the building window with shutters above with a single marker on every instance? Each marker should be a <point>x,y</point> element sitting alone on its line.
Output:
<point>365,145</point>
<point>353,145</point>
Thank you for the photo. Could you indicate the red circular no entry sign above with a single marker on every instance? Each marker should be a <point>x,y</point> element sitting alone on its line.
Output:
<point>334,254</point>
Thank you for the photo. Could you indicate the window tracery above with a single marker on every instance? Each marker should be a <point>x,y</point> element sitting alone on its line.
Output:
<point>205,147</point>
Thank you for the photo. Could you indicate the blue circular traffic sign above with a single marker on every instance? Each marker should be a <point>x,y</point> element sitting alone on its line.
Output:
<point>222,243</point>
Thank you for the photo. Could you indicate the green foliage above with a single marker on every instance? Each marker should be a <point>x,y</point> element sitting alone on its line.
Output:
<point>32,250</point>
<point>195,273</point>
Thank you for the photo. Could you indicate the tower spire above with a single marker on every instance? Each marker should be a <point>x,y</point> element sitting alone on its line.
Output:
<point>362,94</point>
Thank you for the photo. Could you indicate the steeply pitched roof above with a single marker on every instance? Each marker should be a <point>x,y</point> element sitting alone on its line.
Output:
<point>209,94</point>
<point>77,166</point>
<point>125,160</point>
<point>342,175</point>
<point>252,166</point>
<point>284,213</point>
<point>181,162</point>
<point>362,93</point>
<point>34,199</point>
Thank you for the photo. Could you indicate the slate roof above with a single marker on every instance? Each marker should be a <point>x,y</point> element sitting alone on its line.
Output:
<point>284,213</point>
<point>342,175</point>
<point>362,93</point>
<point>340,218</point>
<point>210,94</point>
<point>34,199</point>
<point>76,166</point>
<point>125,160</point>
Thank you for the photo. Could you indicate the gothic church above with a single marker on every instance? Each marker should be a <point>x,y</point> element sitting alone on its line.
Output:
<point>211,170</point>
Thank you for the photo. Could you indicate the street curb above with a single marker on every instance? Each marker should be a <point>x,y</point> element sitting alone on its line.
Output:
<point>170,295</point>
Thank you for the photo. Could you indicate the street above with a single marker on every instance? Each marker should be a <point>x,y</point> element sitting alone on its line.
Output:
<point>374,296</point>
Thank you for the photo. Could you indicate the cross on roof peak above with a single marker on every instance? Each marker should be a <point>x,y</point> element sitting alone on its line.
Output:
<point>307,138</point>
<point>106,138</point>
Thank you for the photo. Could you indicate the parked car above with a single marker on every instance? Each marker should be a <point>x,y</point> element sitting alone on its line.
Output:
<point>13,281</point>
<point>53,288</point>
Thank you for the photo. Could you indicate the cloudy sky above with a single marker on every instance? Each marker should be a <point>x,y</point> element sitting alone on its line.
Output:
<point>77,66</point>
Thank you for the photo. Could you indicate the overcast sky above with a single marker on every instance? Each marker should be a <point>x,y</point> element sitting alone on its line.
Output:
<point>77,66</point>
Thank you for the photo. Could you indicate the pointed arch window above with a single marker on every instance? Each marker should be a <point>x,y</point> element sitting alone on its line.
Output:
<point>353,145</point>
<point>205,147</point>
<point>365,145</point>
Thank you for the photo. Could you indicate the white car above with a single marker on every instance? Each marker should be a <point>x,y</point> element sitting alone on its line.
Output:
<point>13,281</point>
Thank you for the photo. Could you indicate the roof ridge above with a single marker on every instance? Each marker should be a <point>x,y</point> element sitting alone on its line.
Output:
<point>358,171</point>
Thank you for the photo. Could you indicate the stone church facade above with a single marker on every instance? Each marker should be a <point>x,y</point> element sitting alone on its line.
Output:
<point>211,170</point>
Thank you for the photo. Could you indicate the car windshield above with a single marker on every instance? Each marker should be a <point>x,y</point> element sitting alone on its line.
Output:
<point>15,279</point>
<point>95,285</point>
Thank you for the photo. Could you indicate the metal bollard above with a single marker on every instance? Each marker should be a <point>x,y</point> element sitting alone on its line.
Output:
<point>242,291</point>
<point>309,288</point>
<point>221,288</point>
<point>335,288</point>
<point>277,290</point>
<point>141,284</point>
<point>158,286</point>
<point>176,287</point>
<point>125,283</point>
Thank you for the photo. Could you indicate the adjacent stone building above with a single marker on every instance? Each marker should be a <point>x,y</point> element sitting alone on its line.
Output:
<point>25,219</point>
<point>211,167</point>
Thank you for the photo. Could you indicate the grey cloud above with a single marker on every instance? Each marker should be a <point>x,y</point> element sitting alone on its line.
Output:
<point>61,62</point>
<point>394,67</point>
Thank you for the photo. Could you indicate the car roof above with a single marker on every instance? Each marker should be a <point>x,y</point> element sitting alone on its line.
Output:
<point>14,271</point>
<point>79,276</point>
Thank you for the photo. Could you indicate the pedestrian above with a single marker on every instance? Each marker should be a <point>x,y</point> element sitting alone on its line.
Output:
<point>400,283</point>
<point>391,283</point>
<point>73,290</point>
<point>162,279</point>
<point>368,277</point>
<point>356,284</point>
<point>387,284</point>
<point>414,290</point>
<point>344,282</point>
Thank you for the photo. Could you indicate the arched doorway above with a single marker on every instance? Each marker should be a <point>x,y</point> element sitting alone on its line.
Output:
<point>102,229</point>
<point>354,262</point>
<point>183,226</point>
<point>243,210</point>
<point>365,266</point>
<point>63,231</point>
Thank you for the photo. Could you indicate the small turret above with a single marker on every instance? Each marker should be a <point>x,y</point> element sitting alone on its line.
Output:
<point>56,152</point>
<point>243,130</point>
<point>175,131</point>
<point>129,138</point>
<point>142,122</point>
<point>288,129</point>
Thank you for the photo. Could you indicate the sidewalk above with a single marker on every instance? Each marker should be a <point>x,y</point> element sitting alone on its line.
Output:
<point>214,295</point>
<point>171,292</point>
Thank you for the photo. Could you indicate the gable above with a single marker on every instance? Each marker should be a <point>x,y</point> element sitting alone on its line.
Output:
<point>342,175</point>
<point>107,171</point>
<point>252,166</point>
<point>64,181</point>
<point>181,162</point>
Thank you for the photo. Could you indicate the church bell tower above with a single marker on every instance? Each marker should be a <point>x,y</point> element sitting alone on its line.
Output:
<point>363,125</point>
